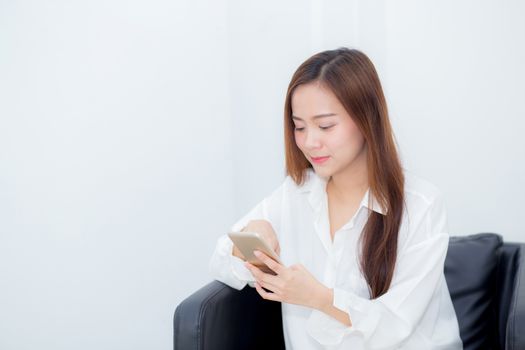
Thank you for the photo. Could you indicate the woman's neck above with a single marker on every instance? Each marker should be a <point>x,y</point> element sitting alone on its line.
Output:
<point>352,182</point>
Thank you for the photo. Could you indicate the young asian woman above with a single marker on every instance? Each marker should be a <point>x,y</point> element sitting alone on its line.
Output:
<point>362,240</point>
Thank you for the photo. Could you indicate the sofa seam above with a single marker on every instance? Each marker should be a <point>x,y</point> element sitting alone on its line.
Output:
<point>517,288</point>
<point>201,312</point>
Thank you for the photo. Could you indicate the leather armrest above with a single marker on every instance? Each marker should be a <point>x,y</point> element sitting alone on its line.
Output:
<point>220,317</point>
<point>515,334</point>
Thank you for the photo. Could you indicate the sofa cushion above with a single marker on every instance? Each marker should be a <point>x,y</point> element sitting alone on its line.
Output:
<point>471,273</point>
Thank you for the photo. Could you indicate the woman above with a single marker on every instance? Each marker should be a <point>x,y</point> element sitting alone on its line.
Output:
<point>362,241</point>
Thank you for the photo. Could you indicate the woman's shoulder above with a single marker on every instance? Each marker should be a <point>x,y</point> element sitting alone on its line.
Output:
<point>288,187</point>
<point>420,189</point>
<point>291,186</point>
<point>424,204</point>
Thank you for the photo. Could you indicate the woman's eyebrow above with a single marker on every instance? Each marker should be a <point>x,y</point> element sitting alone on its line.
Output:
<point>317,116</point>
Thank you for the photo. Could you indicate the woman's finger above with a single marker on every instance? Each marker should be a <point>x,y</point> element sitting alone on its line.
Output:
<point>266,295</point>
<point>265,278</point>
<point>272,264</point>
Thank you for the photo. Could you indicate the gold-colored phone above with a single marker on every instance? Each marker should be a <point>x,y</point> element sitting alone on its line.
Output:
<point>247,242</point>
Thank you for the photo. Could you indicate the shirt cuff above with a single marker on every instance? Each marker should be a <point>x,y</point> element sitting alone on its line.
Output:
<point>227,268</point>
<point>328,331</point>
<point>238,269</point>
<point>325,329</point>
<point>364,313</point>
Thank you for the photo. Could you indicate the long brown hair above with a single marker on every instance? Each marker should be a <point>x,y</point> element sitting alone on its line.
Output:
<point>351,76</point>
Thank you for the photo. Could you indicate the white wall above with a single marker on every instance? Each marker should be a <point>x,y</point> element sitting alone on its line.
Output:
<point>115,166</point>
<point>455,75</point>
<point>133,134</point>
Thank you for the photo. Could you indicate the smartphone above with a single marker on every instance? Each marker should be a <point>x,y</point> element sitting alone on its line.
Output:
<point>247,242</point>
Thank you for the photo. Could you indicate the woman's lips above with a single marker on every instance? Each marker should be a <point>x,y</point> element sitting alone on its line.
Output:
<point>320,160</point>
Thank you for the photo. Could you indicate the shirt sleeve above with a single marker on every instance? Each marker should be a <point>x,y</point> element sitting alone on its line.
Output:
<point>386,322</point>
<point>229,269</point>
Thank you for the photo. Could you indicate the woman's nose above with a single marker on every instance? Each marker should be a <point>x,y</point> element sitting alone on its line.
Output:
<point>312,140</point>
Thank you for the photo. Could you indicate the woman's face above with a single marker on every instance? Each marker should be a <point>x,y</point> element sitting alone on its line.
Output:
<point>333,134</point>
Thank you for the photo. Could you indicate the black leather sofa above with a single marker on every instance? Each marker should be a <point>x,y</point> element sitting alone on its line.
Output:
<point>485,276</point>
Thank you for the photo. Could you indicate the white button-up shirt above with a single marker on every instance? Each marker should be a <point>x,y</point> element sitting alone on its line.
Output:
<point>416,312</point>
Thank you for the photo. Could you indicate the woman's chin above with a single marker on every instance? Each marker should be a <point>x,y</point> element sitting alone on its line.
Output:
<point>322,171</point>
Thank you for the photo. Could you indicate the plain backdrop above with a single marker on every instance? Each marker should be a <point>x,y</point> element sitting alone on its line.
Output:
<point>134,133</point>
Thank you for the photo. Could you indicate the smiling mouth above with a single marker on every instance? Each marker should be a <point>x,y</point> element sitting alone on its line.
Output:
<point>320,160</point>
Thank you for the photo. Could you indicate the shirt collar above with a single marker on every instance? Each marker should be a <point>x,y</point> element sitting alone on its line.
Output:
<point>316,186</point>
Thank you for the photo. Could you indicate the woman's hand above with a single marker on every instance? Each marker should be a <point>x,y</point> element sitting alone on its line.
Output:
<point>293,285</point>
<point>265,229</point>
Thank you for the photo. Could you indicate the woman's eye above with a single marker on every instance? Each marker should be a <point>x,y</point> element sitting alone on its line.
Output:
<point>320,127</point>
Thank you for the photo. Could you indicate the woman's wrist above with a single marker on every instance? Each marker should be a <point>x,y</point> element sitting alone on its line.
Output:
<point>326,305</point>
<point>325,299</point>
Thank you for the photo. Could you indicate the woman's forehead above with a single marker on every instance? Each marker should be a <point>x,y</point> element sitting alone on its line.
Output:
<point>312,102</point>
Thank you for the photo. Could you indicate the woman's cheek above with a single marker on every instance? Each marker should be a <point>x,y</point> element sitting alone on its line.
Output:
<point>299,140</point>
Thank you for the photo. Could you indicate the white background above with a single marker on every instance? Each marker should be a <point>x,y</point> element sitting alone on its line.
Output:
<point>134,133</point>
